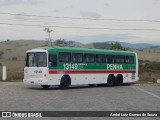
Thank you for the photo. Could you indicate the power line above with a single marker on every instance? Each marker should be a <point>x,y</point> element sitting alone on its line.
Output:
<point>144,20</point>
<point>94,28</point>
<point>72,23</point>
<point>23,25</point>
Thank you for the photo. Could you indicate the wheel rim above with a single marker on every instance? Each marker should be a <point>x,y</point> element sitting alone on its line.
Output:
<point>119,80</point>
<point>64,83</point>
<point>110,81</point>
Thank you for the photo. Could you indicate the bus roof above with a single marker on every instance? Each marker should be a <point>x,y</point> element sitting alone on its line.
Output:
<point>69,49</point>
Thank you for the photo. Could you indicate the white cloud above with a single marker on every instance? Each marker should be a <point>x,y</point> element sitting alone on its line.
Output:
<point>107,4</point>
<point>90,14</point>
<point>15,2</point>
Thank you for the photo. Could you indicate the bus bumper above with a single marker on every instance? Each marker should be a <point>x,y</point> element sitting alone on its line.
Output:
<point>35,82</point>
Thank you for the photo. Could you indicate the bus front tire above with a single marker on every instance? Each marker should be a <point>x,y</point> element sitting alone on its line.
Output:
<point>110,80</point>
<point>119,80</point>
<point>45,86</point>
<point>65,82</point>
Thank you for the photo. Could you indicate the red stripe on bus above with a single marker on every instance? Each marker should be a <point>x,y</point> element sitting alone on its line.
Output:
<point>88,72</point>
<point>52,72</point>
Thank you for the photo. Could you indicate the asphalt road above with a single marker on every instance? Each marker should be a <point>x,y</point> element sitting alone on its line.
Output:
<point>14,96</point>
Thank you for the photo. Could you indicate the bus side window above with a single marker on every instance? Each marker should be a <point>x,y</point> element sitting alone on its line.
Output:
<point>130,59</point>
<point>100,58</point>
<point>64,57</point>
<point>120,59</point>
<point>77,57</point>
<point>89,58</point>
<point>127,59</point>
<point>52,61</point>
<point>110,58</point>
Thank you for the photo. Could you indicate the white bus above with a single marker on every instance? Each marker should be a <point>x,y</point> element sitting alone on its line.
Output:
<point>63,66</point>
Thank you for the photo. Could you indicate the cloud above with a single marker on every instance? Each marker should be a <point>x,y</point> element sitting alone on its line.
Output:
<point>90,14</point>
<point>21,17</point>
<point>156,1</point>
<point>15,2</point>
<point>56,11</point>
<point>69,7</point>
<point>63,9</point>
<point>107,4</point>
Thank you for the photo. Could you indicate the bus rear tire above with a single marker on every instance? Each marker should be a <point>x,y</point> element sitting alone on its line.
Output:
<point>65,82</point>
<point>119,80</point>
<point>110,80</point>
<point>45,86</point>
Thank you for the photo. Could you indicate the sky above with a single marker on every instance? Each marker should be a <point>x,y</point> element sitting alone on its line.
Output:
<point>85,21</point>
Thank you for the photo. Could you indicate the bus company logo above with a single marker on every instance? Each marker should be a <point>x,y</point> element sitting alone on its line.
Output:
<point>114,67</point>
<point>6,114</point>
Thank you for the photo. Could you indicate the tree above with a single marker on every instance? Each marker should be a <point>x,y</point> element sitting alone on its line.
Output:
<point>1,54</point>
<point>116,46</point>
<point>60,42</point>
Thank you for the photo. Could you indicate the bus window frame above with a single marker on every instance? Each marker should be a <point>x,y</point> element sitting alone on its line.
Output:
<point>84,57</point>
<point>113,58</point>
<point>133,59</point>
<point>100,61</point>
<point>77,61</point>
<point>124,57</point>
<point>65,61</point>
<point>36,62</point>
<point>56,63</point>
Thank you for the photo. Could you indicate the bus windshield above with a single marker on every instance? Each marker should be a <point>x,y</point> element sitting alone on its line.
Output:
<point>38,59</point>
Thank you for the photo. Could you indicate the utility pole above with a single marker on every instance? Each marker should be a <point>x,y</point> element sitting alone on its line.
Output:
<point>48,30</point>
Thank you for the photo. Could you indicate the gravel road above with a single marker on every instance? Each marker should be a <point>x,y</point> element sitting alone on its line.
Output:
<point>14,96</point>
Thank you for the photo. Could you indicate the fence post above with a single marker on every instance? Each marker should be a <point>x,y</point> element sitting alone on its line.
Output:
<point>4,73</point>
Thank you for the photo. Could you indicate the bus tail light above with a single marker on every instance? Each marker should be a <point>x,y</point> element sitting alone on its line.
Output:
<point>45,75</point>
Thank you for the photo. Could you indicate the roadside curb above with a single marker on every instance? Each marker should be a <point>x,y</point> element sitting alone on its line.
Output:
<point>145,84</point>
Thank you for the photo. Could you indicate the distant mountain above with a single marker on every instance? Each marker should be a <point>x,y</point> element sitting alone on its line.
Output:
<point>155,49</point>
<point>135,46</point>
<point>74,43</point>
<point>102,45</point>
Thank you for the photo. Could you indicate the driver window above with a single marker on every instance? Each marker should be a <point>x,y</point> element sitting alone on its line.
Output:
<point>52,61</point>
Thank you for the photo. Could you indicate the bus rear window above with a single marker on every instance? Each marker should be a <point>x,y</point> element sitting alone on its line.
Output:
<point>38,59</point>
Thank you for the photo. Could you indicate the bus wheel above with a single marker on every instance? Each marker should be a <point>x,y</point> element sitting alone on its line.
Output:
<point>65,82</point>
<point>45,86</point>
<point>110,80</point>
<point>119,80</point>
